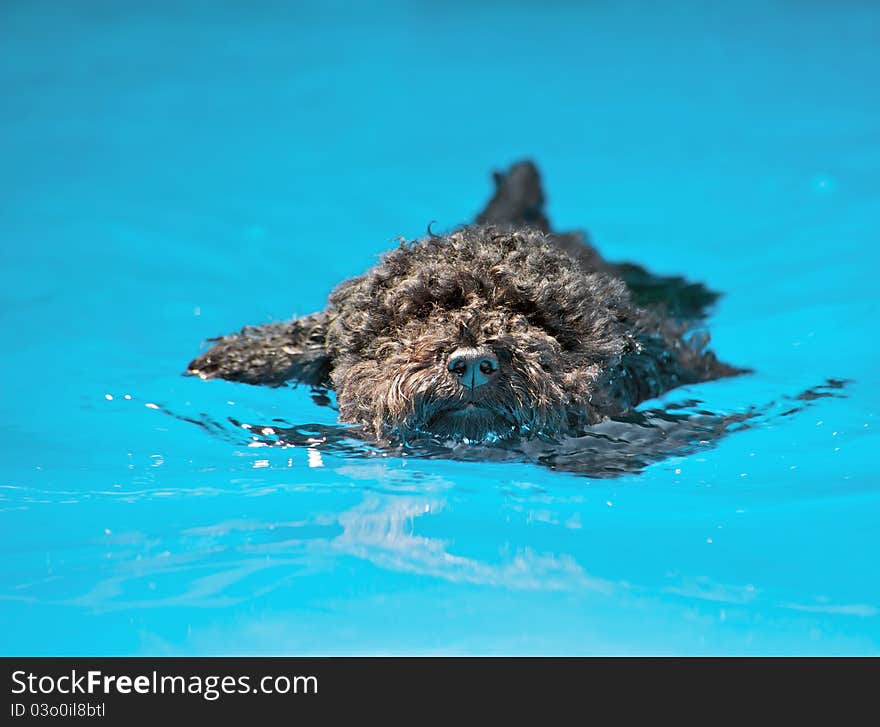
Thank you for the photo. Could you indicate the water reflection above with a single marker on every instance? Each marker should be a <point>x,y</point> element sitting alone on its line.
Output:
<point>250,564</point>
<point>383,532</point>
<point>231,562</point>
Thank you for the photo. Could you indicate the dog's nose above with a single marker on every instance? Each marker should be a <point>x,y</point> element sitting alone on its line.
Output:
<point>473,367</point>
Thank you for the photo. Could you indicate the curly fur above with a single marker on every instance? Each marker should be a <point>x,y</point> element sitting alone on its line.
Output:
<point>573,346</point>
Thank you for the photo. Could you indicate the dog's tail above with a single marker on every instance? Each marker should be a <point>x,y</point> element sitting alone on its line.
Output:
<point>519,200</point>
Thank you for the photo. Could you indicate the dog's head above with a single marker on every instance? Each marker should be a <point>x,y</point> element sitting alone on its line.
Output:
<point>480,334</point>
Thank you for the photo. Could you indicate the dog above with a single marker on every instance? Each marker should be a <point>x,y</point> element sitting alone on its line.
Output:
<point>500,329</point>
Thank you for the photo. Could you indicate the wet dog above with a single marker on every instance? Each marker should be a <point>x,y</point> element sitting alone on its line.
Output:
<point>496,330</point>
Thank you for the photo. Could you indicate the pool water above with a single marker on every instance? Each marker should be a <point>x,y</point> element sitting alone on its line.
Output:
<point>172,171</point>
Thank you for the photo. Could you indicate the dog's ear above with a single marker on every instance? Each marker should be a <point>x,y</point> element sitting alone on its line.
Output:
<point>272,354</point>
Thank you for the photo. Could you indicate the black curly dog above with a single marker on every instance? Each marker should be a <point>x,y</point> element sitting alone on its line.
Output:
<point>500,329</point>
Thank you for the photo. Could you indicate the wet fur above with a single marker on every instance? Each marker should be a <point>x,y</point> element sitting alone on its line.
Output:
<point>578,340</point>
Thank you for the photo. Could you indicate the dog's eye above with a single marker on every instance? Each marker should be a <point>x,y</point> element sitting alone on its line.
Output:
<point>456,299</point>
<point>536,319</point>
<point>420,303</point>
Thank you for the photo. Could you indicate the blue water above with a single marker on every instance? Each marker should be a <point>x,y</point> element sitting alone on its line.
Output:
<point>171,171</point>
